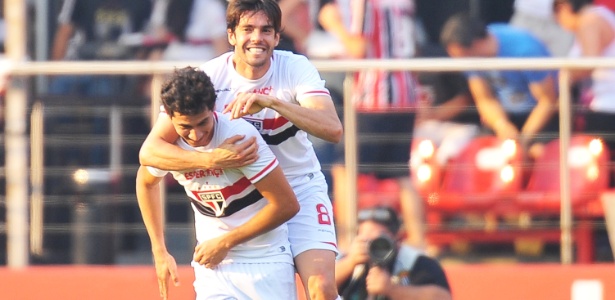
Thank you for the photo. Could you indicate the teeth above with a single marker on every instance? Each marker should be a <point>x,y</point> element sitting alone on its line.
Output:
<point>256,50</point>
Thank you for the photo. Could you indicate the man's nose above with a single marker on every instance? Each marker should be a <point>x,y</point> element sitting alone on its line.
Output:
<point>195,134</point>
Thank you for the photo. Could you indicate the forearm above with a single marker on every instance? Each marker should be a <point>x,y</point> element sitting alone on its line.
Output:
<point>451,108</point>
<point>60,42</point>
<point>282,205</point>
<point>343,270</point>
<point>427,292</point>
<point>539,117</point>
<point>269,217</point>
<point>148,196</point>
<point>160,154</point>
<point>331,20</point>
<point>320,121</point>
<point>491,113</point>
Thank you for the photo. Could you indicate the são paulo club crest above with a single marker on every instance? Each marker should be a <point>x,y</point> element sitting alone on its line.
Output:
<point>212,200</point>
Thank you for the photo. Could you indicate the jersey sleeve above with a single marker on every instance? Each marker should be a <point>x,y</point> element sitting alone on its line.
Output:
<point>156,172</point>
<point>308,82</point>
<point>266,161</point>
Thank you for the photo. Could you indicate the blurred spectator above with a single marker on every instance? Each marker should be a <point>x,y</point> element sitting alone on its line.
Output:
<point>197,29</point>
<point>610,4</point>
<point>92,30</point>
<point>378,265</point>
<point>446,113</point>
<point>384,100</point>
<point>536,16</point>
<point>594,31</point>
<point>297,24</point>
<point>514,104</point>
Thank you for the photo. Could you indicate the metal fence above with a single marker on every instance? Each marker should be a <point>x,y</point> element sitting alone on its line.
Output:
<point>57,196</point>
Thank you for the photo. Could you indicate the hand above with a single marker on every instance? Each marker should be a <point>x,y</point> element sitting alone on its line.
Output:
<point>359,252</point>
<point>166,268</point>
<point>211,252</point>
<point>378,281</point>
<point>505,130</point>
<point>355,46</point>
<point>247,104</point>
<point>232,154</point>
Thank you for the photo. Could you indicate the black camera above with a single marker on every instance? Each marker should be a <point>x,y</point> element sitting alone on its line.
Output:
<point>382,251</point>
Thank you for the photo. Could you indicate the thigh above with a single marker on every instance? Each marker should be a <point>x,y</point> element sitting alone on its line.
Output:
<point>313,226</point>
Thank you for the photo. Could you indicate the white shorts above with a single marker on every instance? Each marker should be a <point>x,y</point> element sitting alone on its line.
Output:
<point>313,226</point>
<point>245,281</point>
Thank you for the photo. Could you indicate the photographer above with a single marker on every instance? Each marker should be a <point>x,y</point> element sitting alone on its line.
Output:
<point>378,266</point>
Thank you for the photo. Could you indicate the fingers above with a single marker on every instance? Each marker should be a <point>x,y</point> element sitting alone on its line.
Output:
<point>241,105</point>
<point>163,287</point>
<point>234,139</point>
<point>174,275</point>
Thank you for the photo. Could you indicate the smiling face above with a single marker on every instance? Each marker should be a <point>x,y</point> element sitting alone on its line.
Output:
<point>197,130</point>
<point>254,39</point>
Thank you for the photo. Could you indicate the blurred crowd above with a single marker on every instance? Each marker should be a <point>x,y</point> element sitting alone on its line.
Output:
<point>449,107</point>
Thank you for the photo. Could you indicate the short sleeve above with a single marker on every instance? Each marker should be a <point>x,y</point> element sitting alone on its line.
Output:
<point>266,161</point>
<point>308,81</point>
<point>156,172</point>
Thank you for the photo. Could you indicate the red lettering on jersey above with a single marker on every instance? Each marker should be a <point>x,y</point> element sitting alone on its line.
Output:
<point>323,214</point>
<point>263,91</point>
<point>203,173</point>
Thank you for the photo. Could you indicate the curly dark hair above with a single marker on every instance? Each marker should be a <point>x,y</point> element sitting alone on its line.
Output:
<point>237,8</point>
<point>189,92</point>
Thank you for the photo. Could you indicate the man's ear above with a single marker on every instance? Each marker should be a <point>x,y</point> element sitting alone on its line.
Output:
<point>231,37</point>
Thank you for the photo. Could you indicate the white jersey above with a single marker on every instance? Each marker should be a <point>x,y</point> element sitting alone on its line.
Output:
<point>603,80</point>
<point>223,199</point>
<point>290,78</point>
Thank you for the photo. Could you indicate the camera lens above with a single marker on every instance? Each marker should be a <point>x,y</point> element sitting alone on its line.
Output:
<point>382,250</point>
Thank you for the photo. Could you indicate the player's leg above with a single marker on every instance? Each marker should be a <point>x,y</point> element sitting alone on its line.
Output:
<point>316,270</point>
<point>313,240</point>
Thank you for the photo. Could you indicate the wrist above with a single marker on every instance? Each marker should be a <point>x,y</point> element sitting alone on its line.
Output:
<point>205,160</point>
<point>159,251</point>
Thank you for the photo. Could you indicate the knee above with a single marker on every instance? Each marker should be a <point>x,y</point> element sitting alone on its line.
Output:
<point>322,288</point>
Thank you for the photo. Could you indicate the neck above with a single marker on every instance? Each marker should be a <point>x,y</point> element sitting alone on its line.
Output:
<point>251,72</point>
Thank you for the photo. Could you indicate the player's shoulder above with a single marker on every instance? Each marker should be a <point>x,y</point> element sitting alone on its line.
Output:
<point>236,126</point>
<point>216,64</point>
<point>288,58</point>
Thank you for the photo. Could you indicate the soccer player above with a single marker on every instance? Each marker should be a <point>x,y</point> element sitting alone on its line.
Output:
<point>283,96</point>
<point>243,251</point>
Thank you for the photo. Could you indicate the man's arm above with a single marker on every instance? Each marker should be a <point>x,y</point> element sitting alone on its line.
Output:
<point>316,115</point>
<point>594,34</point>
<point>490,110</point>
<point>159,151</point>
<point>544,92</point>
<point>60,41</point>
<point>357,254</point>
<point>282,205</point>
<point>148,196</point>
<point>330,19</point>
